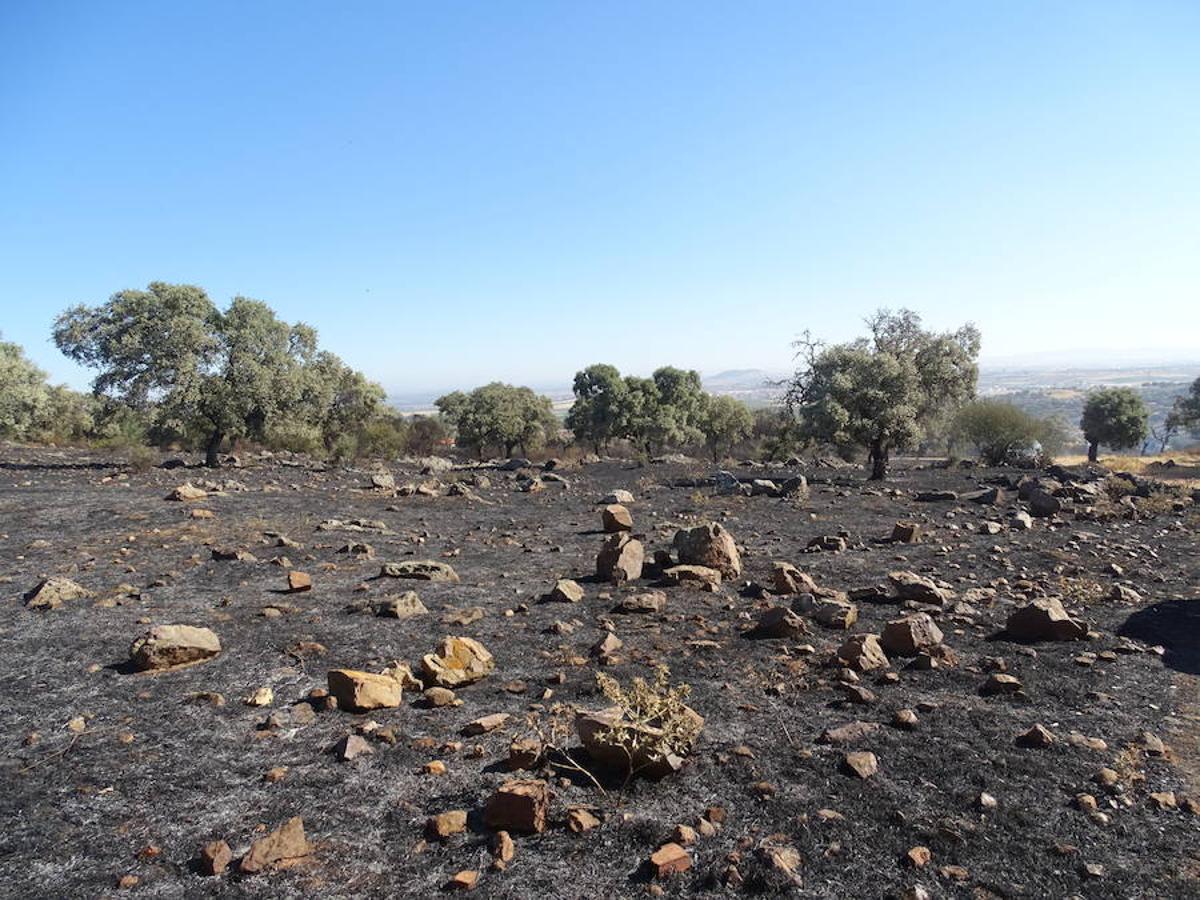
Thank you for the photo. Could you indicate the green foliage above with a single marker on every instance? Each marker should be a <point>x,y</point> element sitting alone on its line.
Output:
<point>1115,417</point>
<point>998,429</point>
<point>170,352</point>
<point>882,392</point>
<point>24,395</point>
<point>1185,413</point>
<point>425,435</point>
<point>601,398</point>
<point>726,421</point>
<point>500,416</point>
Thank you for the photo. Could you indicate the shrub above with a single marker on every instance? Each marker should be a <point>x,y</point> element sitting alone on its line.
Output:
<point>1000,431</point>
<point>655,721</point>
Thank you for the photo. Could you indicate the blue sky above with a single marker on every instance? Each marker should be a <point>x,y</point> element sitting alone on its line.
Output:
<point>457,192</point>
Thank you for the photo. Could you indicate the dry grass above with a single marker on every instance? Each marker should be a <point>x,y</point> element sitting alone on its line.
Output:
<point>1185,472</point>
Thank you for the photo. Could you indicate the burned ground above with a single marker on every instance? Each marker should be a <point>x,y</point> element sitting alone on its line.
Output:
<point>108,773</point>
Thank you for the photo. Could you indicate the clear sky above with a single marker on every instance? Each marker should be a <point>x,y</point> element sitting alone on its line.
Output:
<point>454,192</point>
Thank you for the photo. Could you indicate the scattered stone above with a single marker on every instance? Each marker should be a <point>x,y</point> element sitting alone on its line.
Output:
<point>402,606</point>
<point>711,546</point>
<point>484,724</point>
<point>863,653</point>
<point>282,847</point>
<point>780,622</point>
<point>446,824</point>
<point>519,805</point>
<point>525,753</point>
<point>620,559</point>
<point>616,518</point>
<point>787,579</point>
<point>420,569</point>
<point>581,819</point>
<point>669,859</point>
<point>643,603</point>
<point>830,608</point>
<point>1044,619</point>
<point>1037,737</point>
<point>215,857</point>
<point>848,733</point>
<point>701,577</point>
<point>906,533</point>
<point>999,683</point>
<point>187,491</point>
<point>458,661</point>
<point>298,582</point>
<point>910,635</point>
<point>860,763</point>
<point>618,496</point>
<point>463,881</point>
<point>350,747</point>
<point>168,646</point>
<point>911,586</point>
<point>357,691</point>
<point>565,591</point>
<point>54,592</point>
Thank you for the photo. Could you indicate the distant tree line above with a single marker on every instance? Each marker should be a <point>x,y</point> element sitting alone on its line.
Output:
<point>175,369</point>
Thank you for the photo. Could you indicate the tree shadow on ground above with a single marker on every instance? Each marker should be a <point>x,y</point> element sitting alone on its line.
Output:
<point>1176,625</point>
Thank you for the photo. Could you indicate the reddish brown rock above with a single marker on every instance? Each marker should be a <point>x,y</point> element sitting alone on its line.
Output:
<point>282,847</point>
<point>519,805</point>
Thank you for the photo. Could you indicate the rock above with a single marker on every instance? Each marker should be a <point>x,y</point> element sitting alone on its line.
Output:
<point>607,646</point>
<point>282,847</point>
<point>167,646</point>
<point>999,683</point>
<point>645,602</point>
<point>439,697</point>
<point>1152,744</point>
<point>848,733</point>
<point>832,609</point>
<point>187,491</point>
<point>565,591</point>
<point>446,824</point>
<point>484,724</point>
<point>383,481</point>
<point>911,586</point>
<point>215,857</point>
<point>1044,619</point>
<point>992,496</point>
<point>1123,593</point>
<point>795,487</point>
<point>905,719</point>
<point>918,857</point>
<point>361,691</point>
<point>350,747</point>
<point>463,881</point>
<point>910,635</point>
<point>833,543</point>
<point>787,579</point>
<point>616,518</point>
<point>1020,521</point>
<point>763,487</point>
<point>581,819</point>
<point>519,805</point>
<point>401,672</point>
<point>708,545</point>
<point>503,849</point>
<point>863,653</point>
<point>669,859</point>
<point>780,622</point>
<point>54,592</point>
<point>458,661</point>
<point>592,727</point>
<point>618,496</point>
<point>860,763</point>
<point>906,533</point>
<point>701,577</point>
<point>420,569</point>
<point>525,753</point>
<point>1043,504</point>
<point>936,496</point>
<point>299,581</point>
<point>233,554</point>
<point>1037,737</point>
<point>727,484</point>
<point>402,606</point>
<point>620,559</point>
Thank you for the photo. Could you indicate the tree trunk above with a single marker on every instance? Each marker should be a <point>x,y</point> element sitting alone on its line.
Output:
<point>1093,451</point>
<point>879,460</point>
<point>212,452</point>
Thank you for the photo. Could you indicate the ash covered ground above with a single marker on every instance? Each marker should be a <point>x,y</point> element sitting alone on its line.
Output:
<point>111,774</point>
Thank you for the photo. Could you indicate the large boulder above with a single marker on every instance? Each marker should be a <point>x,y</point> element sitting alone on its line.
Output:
<point>709,545</point>
<point>620,559</point>
<point>1044,619</point>
<point>421,570</point>
<point>457,661</point>
<point>1043,504</point>
<point>910,635</point>
<point>787,579</point>
<point>168,646</point>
